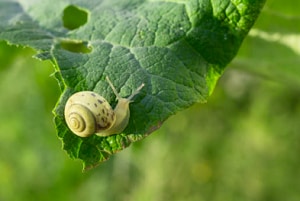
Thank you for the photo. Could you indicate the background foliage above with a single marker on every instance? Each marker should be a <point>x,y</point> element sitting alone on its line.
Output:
<point>242,145</point>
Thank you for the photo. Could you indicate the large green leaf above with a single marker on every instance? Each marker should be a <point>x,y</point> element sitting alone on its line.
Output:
<point>177,48</point>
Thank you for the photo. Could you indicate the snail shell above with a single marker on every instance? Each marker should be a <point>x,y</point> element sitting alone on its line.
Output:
<point>87,113</point>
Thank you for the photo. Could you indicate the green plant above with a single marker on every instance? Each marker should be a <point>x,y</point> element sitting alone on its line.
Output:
<point>178,48</point>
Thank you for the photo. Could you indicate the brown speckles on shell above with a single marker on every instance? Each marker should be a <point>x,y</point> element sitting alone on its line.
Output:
<point>104,120</point>
<point>99,127</point>
<point>100,101</point>
<point>112,117</point>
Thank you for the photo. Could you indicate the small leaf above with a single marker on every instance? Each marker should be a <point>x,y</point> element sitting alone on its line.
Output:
<point>178,49</point>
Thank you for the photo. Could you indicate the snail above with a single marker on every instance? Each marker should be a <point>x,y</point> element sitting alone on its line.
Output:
<point>88,113</point>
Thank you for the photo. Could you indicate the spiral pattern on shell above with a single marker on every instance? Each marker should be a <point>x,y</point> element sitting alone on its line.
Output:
<point>87,113</point>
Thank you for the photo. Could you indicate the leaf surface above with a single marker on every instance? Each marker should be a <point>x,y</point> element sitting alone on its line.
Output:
<point>179,49</point>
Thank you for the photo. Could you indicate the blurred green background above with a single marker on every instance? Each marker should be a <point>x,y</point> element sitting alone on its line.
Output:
<point>243,145</point>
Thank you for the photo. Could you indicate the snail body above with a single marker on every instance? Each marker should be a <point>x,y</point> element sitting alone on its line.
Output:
<point>89,113</point>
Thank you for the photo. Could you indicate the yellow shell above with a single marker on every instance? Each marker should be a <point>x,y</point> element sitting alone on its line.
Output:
<point>87,113</point>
